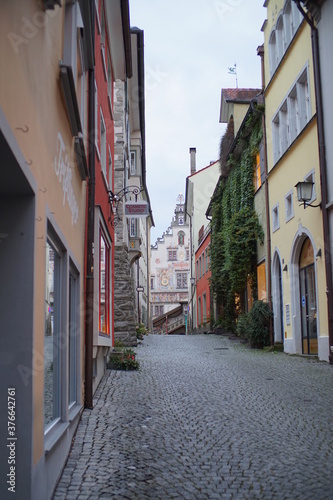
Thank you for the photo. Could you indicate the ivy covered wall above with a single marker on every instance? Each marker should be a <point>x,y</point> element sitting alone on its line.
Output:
<point>235,225</point>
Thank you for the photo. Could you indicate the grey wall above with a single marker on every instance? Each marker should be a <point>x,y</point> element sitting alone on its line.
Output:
<point>16,335</point>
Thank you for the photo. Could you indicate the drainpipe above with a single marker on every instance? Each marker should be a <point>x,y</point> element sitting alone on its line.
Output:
<point>89,320</point>
<point>323,170</point>
<point>260,52</point>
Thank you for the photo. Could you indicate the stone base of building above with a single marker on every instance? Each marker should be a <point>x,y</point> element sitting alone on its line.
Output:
<point>124,298</point>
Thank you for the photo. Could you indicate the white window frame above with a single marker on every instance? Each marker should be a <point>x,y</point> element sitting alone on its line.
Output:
<point>133,166</point>
<point>289,205</point>
<point>96,118</point>
<point>310,177</point>
<point>275,218</point>
<point>133,227</point>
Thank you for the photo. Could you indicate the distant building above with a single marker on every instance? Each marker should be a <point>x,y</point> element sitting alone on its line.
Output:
<point>200,186</point>
<point>170,265</point>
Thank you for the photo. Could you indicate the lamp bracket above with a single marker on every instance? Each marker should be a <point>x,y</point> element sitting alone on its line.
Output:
<point>116,198</point>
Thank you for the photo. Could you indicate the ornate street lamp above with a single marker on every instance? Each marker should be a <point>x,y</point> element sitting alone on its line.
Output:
<point>304,193</point>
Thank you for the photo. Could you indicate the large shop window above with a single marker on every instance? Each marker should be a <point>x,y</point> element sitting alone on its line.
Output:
<point>104,285</point>
<point>74,336</point>
<point>52,340</point>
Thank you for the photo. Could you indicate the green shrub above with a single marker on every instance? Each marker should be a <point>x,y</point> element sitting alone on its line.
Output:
<point>141,330</point>
<point>258,328</point>
<point>242,327</point>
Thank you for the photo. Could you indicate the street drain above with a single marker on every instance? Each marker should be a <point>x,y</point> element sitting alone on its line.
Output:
<point>221,348</point>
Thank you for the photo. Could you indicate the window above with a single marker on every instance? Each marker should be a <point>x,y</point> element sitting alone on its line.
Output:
<point>158,311</point>
<point>109,71</point>
<point>96,114</point>
<point>275,217</point>
<point>133,228</point>
<point>172,254</point>
<point>289,206</point>
<point>181,238</point>
<point>261,281</point>
<point>303,99</point>
<point>110,170</point>
<point>103,144</point>
<point>53,353</point>
<point>104,285</point>
<point>199,311</point>
<point>204,308</point>
<point>311,178</point>
<point>279,40</point>
<point>203,264</point>
<point>181,280</point>
<point>187,254</point>
<point>197,270</point>
<point>200,268</point>
<point>133,163</point>
<point>292,116</point>
<point>152,282</point>
<point>206,257</point>
<point>257,173</point>
<point>282,33</point>
<point>74,336</point>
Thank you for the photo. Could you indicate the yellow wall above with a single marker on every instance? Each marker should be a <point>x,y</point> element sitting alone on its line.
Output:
<point>30,84</point>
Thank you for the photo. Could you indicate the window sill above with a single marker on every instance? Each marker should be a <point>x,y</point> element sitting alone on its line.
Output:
<point>74,412</point>
<point>53,436</point>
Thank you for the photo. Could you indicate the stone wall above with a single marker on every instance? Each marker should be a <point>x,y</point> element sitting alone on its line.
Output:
<point>124,298</point>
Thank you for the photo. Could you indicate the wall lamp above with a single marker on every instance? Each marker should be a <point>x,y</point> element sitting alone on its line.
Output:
<point>304,193</point>
<point>192,280</point>
<point>116,198</point>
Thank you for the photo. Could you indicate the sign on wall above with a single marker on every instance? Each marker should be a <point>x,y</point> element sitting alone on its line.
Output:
<point>136,209</point>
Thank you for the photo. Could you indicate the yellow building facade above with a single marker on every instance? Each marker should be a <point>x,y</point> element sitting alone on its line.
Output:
<point>298,267</point>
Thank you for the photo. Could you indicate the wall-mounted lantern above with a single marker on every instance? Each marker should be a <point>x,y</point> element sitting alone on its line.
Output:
<point>304,193</point>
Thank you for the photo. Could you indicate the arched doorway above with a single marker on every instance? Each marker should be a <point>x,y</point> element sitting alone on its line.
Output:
<point>307,278</point>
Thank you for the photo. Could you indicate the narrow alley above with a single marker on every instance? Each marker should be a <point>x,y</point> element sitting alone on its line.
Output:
<point>206,418</point>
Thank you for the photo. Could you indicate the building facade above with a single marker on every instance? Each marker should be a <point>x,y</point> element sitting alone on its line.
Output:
<point>200,186</point>
<point>44,144</point>
<point>298,261</point>
<point>170,265</point>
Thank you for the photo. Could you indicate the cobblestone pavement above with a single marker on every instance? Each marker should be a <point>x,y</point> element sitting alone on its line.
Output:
<point>206,418</point>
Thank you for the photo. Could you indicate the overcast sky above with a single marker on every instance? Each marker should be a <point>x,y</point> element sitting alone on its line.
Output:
<point>189,46</point>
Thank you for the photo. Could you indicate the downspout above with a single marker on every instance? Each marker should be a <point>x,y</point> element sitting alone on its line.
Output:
<point>89,320</point>
<point>323,170</point>
<point>260,52</point>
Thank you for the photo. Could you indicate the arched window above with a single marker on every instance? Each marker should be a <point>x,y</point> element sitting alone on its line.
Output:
<point>272,52</point>
<point>181,238</point>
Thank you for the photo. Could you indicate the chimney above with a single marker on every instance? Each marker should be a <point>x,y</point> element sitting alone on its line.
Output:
<point>192,155</point>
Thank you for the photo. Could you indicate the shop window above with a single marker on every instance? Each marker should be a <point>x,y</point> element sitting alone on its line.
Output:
<point>104,285</point>
<point>52,339</point>
<point>74,336</point>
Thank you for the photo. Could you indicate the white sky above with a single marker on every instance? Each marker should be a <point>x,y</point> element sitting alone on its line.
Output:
<point>189,46</point>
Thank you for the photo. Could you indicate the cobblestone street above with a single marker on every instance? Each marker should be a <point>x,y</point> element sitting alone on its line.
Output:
<point>206,418</point>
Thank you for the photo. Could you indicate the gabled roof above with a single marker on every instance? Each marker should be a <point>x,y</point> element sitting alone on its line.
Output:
<point>235,95</point>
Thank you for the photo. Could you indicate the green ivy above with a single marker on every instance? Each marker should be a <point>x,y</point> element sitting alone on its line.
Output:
<point>235,225</point>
